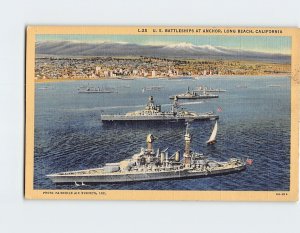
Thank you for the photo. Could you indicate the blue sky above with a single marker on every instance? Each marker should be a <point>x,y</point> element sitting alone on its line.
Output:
<point>276,44</point>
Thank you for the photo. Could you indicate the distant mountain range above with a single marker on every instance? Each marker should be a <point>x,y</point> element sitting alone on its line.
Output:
<point>181,50</point>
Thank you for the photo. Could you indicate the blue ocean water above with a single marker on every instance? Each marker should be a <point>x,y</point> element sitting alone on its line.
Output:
<point>254,123</point>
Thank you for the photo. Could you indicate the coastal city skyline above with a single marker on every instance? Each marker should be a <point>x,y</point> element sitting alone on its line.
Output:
<point>116,56</point>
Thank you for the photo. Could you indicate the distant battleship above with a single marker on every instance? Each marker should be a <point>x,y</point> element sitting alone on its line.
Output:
<point>215,90</point>
<point>152,88</point>
<point>194,95</point>
<point>91,90</point>
<point>274,85</point>
<point>153,112</point>
<point>207,89</point>
<point>147,165</point>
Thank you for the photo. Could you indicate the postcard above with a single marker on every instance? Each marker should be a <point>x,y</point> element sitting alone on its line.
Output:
<point>162,113</point>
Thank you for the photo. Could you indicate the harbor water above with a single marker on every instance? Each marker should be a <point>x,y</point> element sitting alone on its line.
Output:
<point>255,116</point>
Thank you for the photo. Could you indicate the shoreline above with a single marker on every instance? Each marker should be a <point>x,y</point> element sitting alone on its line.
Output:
<point>157,77</point>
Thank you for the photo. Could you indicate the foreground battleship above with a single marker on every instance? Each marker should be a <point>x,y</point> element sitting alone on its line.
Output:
<point>153,112</point>
<point>148,165</point>
<point>194,95</point>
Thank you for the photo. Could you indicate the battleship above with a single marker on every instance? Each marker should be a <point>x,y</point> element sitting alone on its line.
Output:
<point>215,90</point>
<point>194,95</point>
<point>148,165</point>
<point>154,113</point>
<point>152,88</point>
<point>209,89</point>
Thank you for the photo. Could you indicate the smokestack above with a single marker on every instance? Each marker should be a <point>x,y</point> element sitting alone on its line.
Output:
<point>150,101</point>
<point>150,138</point>
<point>177,156</point>
<point>162,157</point>
<point>175,104</point>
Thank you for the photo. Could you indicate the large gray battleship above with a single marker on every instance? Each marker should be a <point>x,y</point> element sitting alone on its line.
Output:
<point>147,165</point>
<point>194,95</point>
<point>153,112</point>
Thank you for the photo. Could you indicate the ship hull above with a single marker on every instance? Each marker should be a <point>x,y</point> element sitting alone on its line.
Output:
<point>195,97</point>
<point>122,118</point>
<point>147,176</point>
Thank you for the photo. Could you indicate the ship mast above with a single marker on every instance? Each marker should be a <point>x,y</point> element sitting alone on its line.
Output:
<point>150,100</point>
<point>187,148</point>
<point>175,105</point>
<point>151,106</point>
<point>188,90</point>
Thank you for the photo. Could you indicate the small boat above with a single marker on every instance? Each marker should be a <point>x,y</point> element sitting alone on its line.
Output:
<point>274,85</point>
<point>43,88</point>
<point>152,88</point>
<point>212,139</point>
<point>91,90</point>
